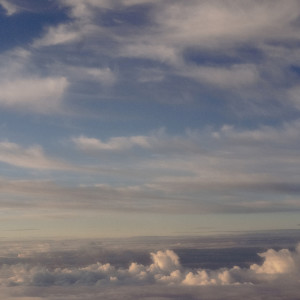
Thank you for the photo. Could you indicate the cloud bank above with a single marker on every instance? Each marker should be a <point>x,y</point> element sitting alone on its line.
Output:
<point>211,267</point>
<point>165,270</point>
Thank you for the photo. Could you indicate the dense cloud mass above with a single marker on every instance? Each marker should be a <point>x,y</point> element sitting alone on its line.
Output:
<point>47,273</point>
<point>165,269</point>
<point>190,268</point>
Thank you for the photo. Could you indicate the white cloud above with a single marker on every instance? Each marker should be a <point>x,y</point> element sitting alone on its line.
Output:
<point>42,95</point>
<point>197,166</point>
<point>104,76</point>
<point>287,133</point>
<point>276,262</point>
<point>32,157</point>
<point>113,144</point>
<point>231,77</point>
<point>149,49</point>
<point>62,34</point>
<point>84,9</point>
<point>171,30</point>
<point>223,22</point>
<point>157,141</point>
<point>165,269</point>
<point>9,7</point>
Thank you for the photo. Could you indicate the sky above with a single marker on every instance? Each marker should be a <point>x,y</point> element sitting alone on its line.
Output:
<point>148,117</point>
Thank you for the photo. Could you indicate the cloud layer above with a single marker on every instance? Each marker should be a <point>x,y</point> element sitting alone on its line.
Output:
<point>165,269</point>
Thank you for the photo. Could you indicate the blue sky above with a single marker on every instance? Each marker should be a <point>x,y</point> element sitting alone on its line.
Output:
<point>144,117</point>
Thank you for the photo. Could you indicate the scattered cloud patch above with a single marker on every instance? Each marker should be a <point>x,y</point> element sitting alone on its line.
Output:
<point>62,34</point>
<point>10,7</point>
<point>104,76</point>
<point>32,157</point>
<point>236,76</point>
<point>114,144</point>
<point>42,95</point>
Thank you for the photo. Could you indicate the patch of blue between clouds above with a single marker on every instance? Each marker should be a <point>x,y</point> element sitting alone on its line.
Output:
<point>21,28</point>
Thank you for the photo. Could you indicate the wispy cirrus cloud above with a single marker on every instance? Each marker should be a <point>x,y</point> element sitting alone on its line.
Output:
<point>113,144</point>
<point>224,163</point>
<point>10,7</point>
<point>62,34</point>
<point>235,76</point>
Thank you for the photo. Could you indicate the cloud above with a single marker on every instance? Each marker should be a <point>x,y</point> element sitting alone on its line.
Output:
<point>171,197</point>
<point>276,262</point>
<point>165,269</point>
<point>42,95</point>
<point>177,26</point>
<point>230,77</point>
<point>157,141</point>
<point>293,96</point>
<point>197,166</point>
<point>215,22</point>
<point>10,8</point>
<point>62,34</point>
<point>31,158</point>
<point>104,76</point>
<point>114,144</point>
<point>238,47</point>
<point>127,269</point>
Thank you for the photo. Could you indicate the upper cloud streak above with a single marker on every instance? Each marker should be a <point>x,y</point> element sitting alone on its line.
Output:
<point>240,47</point>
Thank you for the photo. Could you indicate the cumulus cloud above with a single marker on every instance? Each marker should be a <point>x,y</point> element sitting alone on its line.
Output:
<point>165,269</point>
<point>41,95</point>
<point>276,262</point>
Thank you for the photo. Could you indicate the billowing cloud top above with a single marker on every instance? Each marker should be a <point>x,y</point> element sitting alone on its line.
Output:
<point>164,274</point>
